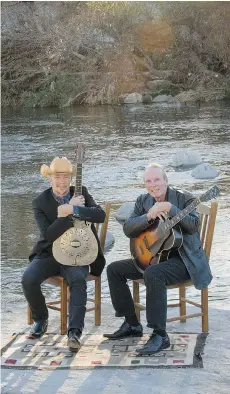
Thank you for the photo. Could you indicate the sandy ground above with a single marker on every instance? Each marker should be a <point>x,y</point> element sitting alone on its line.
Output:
<point>213,378</point>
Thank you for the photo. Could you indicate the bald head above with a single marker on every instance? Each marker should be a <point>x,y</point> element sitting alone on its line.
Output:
<point>156,181</point>
<point>156,165</point>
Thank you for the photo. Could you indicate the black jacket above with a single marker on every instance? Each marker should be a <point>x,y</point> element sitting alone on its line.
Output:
<point>51,227</point>
<point>191,251</point>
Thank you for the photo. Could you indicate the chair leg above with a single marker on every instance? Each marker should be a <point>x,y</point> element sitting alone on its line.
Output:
<point>182,294</point>
<point>63,307</point>
<point>68,298</point>
<point>29,316</point>
<point>136,298</point>
<point>98,301</point>
<point>204,304</point>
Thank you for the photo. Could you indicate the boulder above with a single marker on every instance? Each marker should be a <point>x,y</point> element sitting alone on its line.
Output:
<point>109,241</point>
<point>131,98</point>
<point>200,95</point>
<point>188,96</point>
<point>164,98</point>
<point>204,171</point>
<point>124,212</point>
<point>186,158</point>
<point>159,84</point>
<point>146,98</point>
<point>161,74</point>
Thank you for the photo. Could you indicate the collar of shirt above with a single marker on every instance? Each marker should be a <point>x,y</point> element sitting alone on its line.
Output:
<point>62,200</point>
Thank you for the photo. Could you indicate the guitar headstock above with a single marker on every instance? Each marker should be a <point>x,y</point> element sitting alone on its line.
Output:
<point>210,194</point>
<point>80,152</point>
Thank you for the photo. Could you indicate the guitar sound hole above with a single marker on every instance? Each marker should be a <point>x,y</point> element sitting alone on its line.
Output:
<point>75,244</point>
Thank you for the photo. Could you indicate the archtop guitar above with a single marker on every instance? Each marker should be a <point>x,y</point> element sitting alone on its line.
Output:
<point>156,243</point>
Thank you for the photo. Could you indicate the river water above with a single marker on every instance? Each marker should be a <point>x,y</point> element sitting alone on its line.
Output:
<point>120,141</point>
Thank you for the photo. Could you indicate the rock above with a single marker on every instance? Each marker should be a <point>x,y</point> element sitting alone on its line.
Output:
<point>52,86</point>
<point>202,95</point>
<point>212,94</point>
<point>186,158</point>
<point>161,74</point>
<point>146,98</point>
<point>124,212</point>
<point>164,98</point>
<point>205,171</point>
<point>109,241</point>
<point>131,98</point>
<point>189,95</point>
<point>159,84</point>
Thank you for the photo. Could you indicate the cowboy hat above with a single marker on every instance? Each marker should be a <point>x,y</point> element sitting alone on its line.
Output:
<point>57,166</point>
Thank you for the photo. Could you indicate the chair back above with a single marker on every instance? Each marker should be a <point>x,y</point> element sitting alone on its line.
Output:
<point>102,228</point>
<point>207,224</point>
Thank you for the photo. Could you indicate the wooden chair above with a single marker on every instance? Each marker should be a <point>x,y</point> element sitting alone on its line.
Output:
<point>64,290</point>
<point>208,219</point>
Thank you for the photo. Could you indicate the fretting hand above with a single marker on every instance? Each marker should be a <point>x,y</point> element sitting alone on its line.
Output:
<point>80,200</point>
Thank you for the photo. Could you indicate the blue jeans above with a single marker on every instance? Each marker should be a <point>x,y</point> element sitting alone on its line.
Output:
<point>41,269</point>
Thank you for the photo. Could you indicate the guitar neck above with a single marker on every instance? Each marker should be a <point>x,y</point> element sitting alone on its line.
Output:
<point>170,223</point>
<point>78,182</point>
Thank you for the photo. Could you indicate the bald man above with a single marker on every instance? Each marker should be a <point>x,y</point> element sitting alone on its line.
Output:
<point>187,262</point>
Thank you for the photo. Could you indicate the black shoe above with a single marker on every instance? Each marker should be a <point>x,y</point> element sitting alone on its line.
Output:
<point>39,328</point>
<point>74,340</point>
<point>126,331</point>
<point>155,344</point>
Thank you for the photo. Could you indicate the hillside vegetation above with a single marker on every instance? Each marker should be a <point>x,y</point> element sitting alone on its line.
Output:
<point>66,53</point>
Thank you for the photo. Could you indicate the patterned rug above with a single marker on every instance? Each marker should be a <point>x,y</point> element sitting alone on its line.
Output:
<point>51,352</point>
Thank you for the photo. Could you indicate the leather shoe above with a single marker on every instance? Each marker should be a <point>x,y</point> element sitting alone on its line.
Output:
<point>155,344</point>
<point>126,330</point>
<point>74,340</point>
<point>38,329</point>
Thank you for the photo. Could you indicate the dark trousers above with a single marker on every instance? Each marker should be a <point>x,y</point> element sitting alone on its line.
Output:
<point>41,269</point>
<point>156,277</point>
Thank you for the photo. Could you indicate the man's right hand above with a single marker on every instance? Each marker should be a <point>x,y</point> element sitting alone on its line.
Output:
<point>64,210</point>
<point>160,210</point>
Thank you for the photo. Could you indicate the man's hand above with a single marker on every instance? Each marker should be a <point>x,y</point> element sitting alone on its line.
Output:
<point>80,200</point>
<point>160,210</point>
<point>65,210</point>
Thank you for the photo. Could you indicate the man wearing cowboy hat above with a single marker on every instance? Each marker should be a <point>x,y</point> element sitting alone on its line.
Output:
<point>55,210</point>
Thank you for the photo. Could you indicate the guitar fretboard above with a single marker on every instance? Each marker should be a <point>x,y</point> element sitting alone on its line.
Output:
<point>78,182</point>
<point>170,223</point>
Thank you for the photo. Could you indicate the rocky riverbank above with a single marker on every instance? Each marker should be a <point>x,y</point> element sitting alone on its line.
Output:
<point>62,54</point>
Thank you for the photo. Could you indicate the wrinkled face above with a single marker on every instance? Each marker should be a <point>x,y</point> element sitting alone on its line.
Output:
<point>155,183</point>
<point>60,183</point>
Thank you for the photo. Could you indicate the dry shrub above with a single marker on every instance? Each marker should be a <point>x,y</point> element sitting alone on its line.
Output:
<point>156,37</point>
<point>201,48</point>
<point>62,53</point>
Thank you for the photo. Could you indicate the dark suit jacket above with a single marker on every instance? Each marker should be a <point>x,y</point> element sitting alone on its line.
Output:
<point>51,227</point>
<point>191,251</point>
